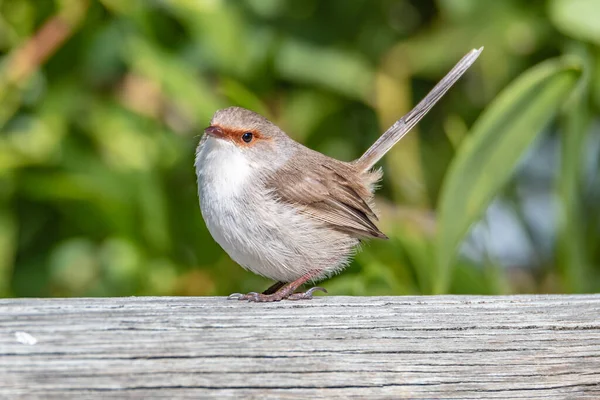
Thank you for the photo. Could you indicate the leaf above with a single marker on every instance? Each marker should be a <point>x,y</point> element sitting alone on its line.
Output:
<point>572,257</point>
<point>497,142</point>
<point>577,18</point>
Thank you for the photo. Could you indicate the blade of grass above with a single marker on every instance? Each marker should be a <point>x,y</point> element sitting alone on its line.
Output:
<point>572,258</point>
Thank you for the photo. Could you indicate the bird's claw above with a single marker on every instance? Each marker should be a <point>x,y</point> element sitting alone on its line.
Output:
<point>306,295</point>
<point>240,296</point>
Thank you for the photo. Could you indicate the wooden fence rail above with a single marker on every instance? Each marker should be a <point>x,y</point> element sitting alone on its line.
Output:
<point>471,347</point>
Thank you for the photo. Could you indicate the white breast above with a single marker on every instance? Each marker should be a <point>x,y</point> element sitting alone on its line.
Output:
<point>223,171</point>
<point>223,178</point>
<point>260,233</point>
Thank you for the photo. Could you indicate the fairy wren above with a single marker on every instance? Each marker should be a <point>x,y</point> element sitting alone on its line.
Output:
<point>284,211</point>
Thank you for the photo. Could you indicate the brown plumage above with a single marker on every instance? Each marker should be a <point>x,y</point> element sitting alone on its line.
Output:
<point>331,191</point>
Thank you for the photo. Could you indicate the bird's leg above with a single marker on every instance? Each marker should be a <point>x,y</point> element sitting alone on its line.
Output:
<point>286,291</point>
<point>275,287</point>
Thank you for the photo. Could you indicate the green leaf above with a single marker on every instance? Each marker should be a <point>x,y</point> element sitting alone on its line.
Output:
<point>577,18</point>
<point>497,142</point>
<point>572,257</point>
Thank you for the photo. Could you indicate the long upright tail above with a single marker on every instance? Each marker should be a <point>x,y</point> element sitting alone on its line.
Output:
<point>407,122</point>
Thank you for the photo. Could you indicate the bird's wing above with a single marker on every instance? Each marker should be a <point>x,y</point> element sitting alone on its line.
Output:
<point>329,191</point>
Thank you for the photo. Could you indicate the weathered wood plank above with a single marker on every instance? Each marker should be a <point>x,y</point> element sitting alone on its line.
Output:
<point>521,347</point>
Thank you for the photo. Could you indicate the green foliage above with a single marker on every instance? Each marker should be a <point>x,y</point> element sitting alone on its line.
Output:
<point>102,103</point>
<point>577,18</point>
<point>496,144</point>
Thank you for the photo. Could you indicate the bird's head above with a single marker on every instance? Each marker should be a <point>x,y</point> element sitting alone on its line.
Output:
<point>240,133</point>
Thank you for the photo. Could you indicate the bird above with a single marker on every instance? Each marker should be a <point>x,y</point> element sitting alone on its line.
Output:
<point>284,211</point>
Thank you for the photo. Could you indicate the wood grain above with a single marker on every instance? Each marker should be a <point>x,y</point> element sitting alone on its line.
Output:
<point>445,347</point>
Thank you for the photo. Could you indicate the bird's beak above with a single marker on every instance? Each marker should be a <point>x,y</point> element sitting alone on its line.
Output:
<point>215,131</point>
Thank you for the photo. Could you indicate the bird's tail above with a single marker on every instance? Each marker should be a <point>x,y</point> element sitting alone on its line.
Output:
<point>407,122</point>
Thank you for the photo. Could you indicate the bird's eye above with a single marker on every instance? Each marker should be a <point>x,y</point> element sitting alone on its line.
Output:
<point>247,137</point>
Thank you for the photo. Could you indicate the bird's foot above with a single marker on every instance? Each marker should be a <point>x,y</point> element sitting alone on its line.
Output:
<point>282,294</point>
<point>280,291</point>
<point>257,297</point>
<point>241,296</point>
<point>306,295</point>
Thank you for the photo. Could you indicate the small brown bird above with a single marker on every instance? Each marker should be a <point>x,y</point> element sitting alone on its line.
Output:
<point>284,211</point>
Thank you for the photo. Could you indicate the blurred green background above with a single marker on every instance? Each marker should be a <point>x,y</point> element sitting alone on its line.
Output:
<point>102,104</point>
